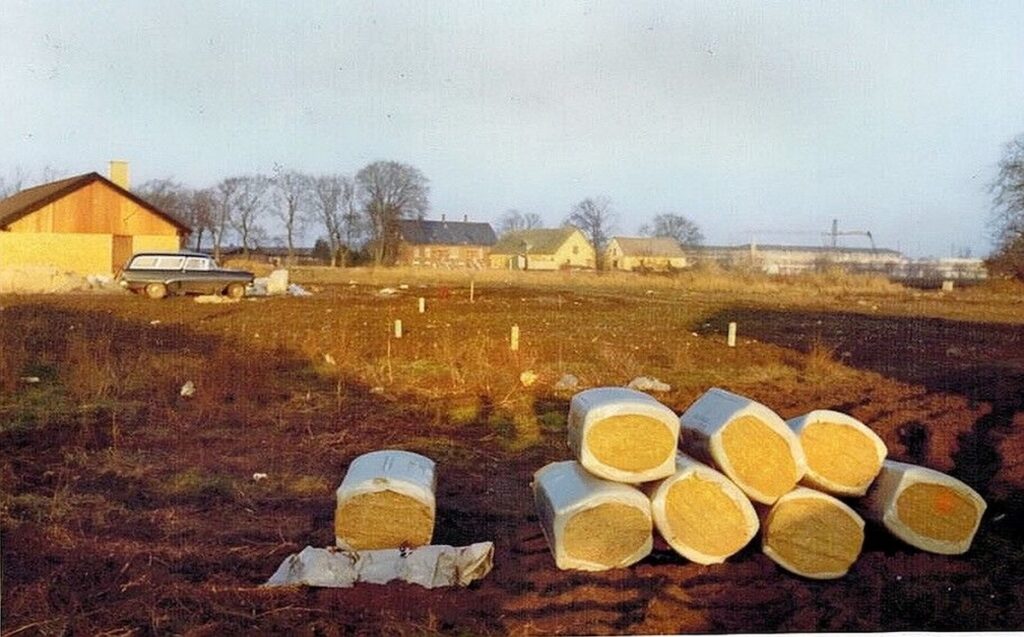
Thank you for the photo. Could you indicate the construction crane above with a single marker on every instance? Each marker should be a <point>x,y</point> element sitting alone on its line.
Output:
<point>835,234</point>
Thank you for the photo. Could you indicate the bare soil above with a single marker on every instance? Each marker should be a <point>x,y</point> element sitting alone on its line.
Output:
<point>128,509</point>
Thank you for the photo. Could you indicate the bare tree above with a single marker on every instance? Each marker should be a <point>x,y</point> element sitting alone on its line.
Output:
<point>513,221</point>
<point>223,196</point>
<point>18,179</point>
<point>390,191</point>
<point>686,232</point>
<point>201,206</point>
<point>1007,222</point>
<point>334,202</point>
<point>291,190</point>
<point>14,182</point>
<point>594,217</point>
<point>248,209</point>
<point>175,199</point>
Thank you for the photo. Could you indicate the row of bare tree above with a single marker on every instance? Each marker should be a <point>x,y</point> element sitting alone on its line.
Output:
<point>347,211</point>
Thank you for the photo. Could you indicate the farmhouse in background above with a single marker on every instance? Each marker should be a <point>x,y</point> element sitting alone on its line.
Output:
<point>451,244</point>
<point>86,224</point>
<point>785,259</point>
<point>543,249</point>
<point>659,254</point>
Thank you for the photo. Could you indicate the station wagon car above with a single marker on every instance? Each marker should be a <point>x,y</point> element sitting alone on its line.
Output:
<point>158,274</point>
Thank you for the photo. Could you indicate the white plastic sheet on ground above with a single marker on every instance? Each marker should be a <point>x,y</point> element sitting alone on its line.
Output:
<point>429,566</point>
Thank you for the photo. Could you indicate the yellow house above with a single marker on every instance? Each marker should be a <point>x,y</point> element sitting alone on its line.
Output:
<point>86,224</point>
<point>644,253</point>
<point>543,249</point>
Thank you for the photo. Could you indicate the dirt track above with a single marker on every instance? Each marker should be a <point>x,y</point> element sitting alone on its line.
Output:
<point>129,509</point>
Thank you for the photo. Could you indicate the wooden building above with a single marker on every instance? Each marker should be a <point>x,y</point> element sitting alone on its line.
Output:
<point>86,224</point>
<point>543,249</point>
<point>450,244</point>
<point>659,254</point>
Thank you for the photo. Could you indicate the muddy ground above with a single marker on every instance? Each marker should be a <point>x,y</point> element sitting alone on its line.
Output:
<point>130,510</point>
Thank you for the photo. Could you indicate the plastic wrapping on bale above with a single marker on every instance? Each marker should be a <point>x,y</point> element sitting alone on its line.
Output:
<point>386,501</point>
<point>749,442</point>
<point>925,508</point>
<point>623,435</point>
<point>843,456</point>
<point>702,514</point>
<point>591,524</point>
<point>812,534</point>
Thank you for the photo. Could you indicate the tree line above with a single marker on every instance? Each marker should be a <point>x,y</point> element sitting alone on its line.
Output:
<point>354,213</point>
<point>349,212</point>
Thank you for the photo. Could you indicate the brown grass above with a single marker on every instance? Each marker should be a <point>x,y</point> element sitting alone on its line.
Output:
<point>705,278</point>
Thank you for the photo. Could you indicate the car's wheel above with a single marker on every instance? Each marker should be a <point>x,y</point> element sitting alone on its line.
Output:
<point>156,290</point>
<point>235,291</point>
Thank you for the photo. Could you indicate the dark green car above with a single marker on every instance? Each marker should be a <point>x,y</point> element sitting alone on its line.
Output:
<point>157,274</point>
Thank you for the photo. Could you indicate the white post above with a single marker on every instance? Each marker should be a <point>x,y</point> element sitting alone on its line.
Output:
<point>732,335</point>
<point>423,305</point>
<point>398,328</point>
<point>515,338</point>
<point>472,290</point>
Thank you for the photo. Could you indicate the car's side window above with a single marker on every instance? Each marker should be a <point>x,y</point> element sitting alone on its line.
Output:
<point>197,263</point>
<point>169,263</point>
<point>144,262</point>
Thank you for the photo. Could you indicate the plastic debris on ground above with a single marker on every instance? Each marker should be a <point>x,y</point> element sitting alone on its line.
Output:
<point>188,390</point>
<point>567,382</point>
<point>428,566</point>
<point>214,299</point>
<point>646,383</point>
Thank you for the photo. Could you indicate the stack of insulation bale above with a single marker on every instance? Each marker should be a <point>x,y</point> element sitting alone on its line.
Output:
<point>599,510</point>
<point>741,468</point>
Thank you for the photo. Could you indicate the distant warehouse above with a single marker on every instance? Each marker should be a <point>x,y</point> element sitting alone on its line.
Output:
<point>787,259</point>
<point>86,224</point>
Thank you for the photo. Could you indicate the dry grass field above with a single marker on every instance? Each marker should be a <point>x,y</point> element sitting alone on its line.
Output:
<point>127,509</point>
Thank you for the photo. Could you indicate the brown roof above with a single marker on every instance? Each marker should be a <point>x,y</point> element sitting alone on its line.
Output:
<point>538,240</point>
<point>649,246</point>
<point>29,200</point>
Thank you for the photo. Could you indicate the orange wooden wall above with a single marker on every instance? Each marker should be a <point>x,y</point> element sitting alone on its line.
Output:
<point>95,209</point>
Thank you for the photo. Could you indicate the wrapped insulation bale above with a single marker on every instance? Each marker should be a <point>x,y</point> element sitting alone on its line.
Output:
<point>812,534</point>
<point>747,441</point>
<point>925,508</point>
<point>623,435</point>
<point>386,501</point>
<point>843,456</point>
<point>702,514</point>
<point>591,524</point>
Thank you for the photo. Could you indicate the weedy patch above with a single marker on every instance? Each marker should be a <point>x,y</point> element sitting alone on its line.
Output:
<point>194,484</point>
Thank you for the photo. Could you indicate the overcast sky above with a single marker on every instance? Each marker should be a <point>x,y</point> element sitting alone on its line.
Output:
<point>758,121</point>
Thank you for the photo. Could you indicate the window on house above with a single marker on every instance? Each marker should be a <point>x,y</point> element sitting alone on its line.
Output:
<point>575,249</point>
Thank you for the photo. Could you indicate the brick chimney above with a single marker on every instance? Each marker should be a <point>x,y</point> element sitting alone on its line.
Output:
<point>465,218</point>
<point>442,217</point>
<point>119,173</point>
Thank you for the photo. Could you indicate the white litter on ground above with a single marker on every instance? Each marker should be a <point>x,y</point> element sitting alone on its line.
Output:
<point>428,566</point>
<point>188,390</point>
<point>214,299</point>
<point>567,382</point>
<point>646,383</point>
